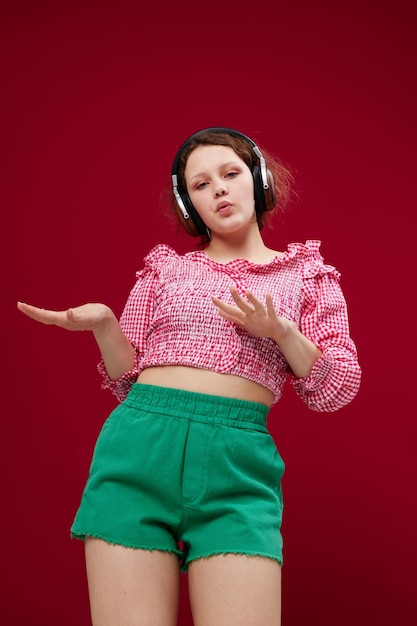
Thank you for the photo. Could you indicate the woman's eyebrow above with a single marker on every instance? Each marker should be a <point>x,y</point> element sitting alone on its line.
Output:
<point>222,166</point>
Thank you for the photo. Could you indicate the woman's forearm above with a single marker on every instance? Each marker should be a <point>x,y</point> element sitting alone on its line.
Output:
<point>300,352</point>
<point>116,350</point>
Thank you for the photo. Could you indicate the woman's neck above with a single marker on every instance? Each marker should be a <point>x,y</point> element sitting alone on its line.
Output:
<point>251,248</point>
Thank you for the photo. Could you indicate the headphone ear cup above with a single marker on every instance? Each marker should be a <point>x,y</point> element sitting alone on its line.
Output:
<point>270,194</point>
<point>259,194</point>
<point>265,199</point>
<point>195,225</point>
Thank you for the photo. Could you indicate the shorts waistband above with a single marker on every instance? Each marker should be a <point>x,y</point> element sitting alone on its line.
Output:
<point>199,407</point>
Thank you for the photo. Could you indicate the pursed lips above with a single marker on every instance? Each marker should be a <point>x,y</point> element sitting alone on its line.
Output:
<point>223,205</point>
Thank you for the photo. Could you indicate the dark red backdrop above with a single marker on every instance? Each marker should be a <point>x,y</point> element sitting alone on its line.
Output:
<point>96,99</point>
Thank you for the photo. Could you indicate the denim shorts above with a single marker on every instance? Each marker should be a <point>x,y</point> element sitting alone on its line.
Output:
<point>184,472</point>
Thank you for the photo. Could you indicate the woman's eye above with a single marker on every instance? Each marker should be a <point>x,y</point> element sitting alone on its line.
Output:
<point>201,185</point>
<point>231,174</point>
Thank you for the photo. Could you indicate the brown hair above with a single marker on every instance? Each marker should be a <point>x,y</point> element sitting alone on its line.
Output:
<point>282,177</point>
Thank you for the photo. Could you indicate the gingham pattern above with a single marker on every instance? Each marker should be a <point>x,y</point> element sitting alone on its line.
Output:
<point>170,319</point>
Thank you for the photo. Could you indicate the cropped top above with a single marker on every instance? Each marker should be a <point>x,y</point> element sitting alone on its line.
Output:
<point>170,319</point>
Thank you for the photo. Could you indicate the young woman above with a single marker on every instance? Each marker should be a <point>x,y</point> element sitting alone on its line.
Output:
<point>185,475</point>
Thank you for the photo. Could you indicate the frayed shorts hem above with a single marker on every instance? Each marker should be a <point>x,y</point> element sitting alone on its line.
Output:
<point>179,553</point>
<point>124,544</point>
<point>248,553</point>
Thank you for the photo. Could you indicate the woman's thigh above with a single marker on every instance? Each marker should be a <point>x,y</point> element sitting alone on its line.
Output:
<point>131,587</point>
<point>235,589</point>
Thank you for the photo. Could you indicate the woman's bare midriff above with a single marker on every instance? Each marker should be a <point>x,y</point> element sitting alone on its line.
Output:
<point>205,381</point>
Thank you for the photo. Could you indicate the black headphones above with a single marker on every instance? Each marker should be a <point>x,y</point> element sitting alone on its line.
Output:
<point>263,180</point>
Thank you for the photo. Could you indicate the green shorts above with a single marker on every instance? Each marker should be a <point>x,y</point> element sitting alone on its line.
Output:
<point>185,472</point>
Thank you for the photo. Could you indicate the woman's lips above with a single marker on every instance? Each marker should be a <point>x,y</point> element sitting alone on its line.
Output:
<point>224,208</point>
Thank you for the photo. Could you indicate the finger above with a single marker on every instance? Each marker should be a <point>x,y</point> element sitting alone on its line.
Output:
<point>272,314</point>
<point>79,319</point>
<point>40,315</point>
<point>231,318</point>
<point>243,305</point>
<point>229,309</point>
<point>71,316</point>
<point>257,304</point>
<point>228,312</point>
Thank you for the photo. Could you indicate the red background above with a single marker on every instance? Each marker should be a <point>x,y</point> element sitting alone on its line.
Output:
<point>96,99</point>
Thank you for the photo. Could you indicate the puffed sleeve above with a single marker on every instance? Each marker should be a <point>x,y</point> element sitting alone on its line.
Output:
<point>135,321</point>
<point>335,378</point>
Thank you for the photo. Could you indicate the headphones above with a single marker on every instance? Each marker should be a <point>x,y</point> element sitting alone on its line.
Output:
<point>263,180</point>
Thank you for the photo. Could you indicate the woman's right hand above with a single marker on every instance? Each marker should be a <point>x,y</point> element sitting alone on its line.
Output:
<point>85,317</point>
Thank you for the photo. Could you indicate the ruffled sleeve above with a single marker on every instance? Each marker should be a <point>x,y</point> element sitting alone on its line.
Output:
<point>136,319</point>
<point>335,378</point>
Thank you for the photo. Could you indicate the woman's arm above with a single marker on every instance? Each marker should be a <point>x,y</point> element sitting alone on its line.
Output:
<point>116,350</point>
<point>325,369</point>
<point>262,321</point>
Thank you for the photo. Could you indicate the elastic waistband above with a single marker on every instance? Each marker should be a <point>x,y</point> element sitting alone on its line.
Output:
<point>199,407</point>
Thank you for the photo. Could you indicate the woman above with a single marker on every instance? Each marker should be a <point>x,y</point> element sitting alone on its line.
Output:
<point>185,475</point>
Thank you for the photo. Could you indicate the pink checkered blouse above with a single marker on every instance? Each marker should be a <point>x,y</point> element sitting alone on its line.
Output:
<point>170,320</point>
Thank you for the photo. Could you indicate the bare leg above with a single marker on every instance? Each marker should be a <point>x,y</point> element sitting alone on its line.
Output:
<point>233,590</point>
<point>131,587</point>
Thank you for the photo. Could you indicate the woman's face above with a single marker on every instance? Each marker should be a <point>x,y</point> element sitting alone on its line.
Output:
<point>220,186</point>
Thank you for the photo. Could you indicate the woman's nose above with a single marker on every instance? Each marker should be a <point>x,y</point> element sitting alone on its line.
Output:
<point>220,190</point>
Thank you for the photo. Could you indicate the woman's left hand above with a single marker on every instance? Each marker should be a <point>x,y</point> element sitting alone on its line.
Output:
<point>259,319</point>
